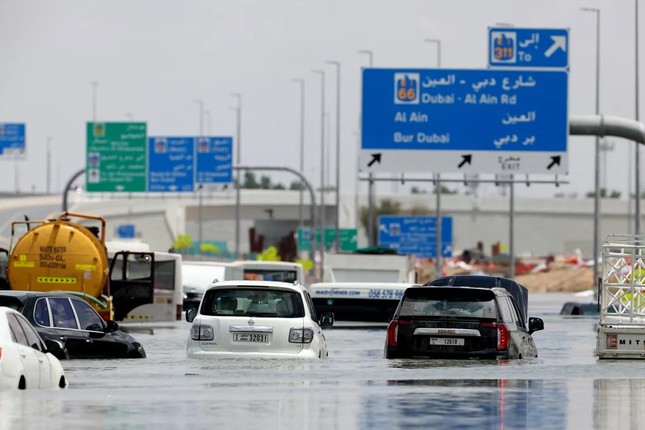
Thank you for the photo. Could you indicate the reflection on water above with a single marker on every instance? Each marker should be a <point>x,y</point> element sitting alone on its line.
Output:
<point>356,388</point>
<point>471,404</point>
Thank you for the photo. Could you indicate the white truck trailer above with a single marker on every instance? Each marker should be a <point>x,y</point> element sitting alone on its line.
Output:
<point>621,331</point>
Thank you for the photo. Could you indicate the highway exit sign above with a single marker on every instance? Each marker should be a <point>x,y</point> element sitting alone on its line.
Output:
<point>116,156</point>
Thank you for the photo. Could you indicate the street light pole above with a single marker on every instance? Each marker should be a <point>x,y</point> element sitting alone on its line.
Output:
<point>637,224</point>
<point>322,167</point>
<point>238,161</point>
<point>49,164</point>
<point>337,224</point>
<point>200,222</point>
<point>95,85</point>
<point>597,151</point>
<point>370,187</point>
<point>302,149</point>
<point>437,184</point>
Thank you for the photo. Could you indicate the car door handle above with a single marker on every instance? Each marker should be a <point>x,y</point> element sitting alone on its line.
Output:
<point>89,341</point>
<point>63,338</point>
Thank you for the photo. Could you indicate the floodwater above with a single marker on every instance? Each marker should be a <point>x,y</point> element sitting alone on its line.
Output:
<point>566,387</point>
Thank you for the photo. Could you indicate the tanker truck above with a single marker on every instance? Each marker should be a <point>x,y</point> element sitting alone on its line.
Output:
<point>63,255</point>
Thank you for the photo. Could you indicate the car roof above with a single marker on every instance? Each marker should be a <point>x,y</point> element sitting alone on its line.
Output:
<point>246,284</point>
<point>22,295</point>
<point>497,291</point>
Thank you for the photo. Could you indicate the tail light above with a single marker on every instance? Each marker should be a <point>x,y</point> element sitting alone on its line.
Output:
<point>393,331</point>
<point>0,354</point>
<point>503,336</point>
<point>301,335</point>
<point>202,332</point>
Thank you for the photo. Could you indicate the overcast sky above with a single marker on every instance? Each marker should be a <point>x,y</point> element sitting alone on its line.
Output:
<point>153,58</point>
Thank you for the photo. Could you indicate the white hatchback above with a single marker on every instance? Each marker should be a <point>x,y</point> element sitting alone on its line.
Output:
<point>257,318</point>
<point>24,360</point>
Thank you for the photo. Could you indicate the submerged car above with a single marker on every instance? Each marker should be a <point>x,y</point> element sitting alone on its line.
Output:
<point>580,308</point>
<point>25,360</point>
<point>257,318</point>
<point>74,323</point>
<point>452,321</point>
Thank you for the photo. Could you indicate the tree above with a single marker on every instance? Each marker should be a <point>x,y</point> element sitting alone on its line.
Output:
<point>265,183</point>
<point>250,181</point>
<point>296,185</point>
<point>604,194</point>
<point>417,190</point>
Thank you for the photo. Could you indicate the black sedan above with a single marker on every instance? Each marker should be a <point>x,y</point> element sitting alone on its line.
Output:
<point>460,322</point>
<point>73,322</point>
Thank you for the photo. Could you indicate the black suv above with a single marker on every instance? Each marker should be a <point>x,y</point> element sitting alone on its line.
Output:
<point>74,323</point>
<point>463,317</point>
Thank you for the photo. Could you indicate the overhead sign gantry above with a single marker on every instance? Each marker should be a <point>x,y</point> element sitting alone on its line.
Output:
<point>464,121</point>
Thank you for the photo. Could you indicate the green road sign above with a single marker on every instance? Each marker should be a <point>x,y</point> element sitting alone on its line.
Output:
<point>116,156</point>
<point>348,238</point>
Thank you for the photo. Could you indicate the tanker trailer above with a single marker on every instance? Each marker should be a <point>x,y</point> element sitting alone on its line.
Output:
<point>61,255</point>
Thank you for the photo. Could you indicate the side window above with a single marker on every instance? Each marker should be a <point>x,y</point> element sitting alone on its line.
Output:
<point>41,313</point>
<point>515,313</point>
<point>33,340</point>
<point>88,318</point>
<point>310,305</point>
<point>509,312</point>
<point>507,317</point>
<point>62,313</point>
<point>16,331</point>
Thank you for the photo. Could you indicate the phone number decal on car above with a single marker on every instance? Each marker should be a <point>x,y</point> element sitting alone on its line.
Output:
<point>385,294</point>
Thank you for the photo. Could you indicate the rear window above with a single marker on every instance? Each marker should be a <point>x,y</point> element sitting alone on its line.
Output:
<point>253,302</point>
<point>448,302</point>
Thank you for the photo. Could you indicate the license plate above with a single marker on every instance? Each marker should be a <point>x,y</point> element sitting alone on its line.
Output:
<point>250,337</point>
<point>451,341</point>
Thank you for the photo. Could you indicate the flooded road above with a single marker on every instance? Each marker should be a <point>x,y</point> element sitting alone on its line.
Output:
<point>356,388</point>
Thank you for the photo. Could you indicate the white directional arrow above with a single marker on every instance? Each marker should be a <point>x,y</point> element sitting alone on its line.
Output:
<point>558,42</point>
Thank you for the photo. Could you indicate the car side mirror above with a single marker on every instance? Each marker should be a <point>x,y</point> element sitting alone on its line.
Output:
<point>191,314</point>
<point>56,348</point>
<point>535,324</point>
<point>112,326</point>
<point>326,319</point>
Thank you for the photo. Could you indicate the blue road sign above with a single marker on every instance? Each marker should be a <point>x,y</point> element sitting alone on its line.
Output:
<point>214,160</point>
<point>464,121</point>
<point>415,235</point>
<point>528,47</point>
<point>171,162</point>
<point>12,139</point>
<point>125,231</point>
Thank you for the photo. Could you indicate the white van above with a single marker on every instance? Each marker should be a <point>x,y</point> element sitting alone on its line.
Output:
<point>199,275</point>
<point>145,285</point>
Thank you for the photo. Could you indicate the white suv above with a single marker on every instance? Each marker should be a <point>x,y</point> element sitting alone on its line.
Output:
<point>257,318</point>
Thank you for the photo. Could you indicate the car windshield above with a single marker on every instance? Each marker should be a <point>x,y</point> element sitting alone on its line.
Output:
<point>285,275</point>
<point>449,303</point>
<point>253,302</point>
